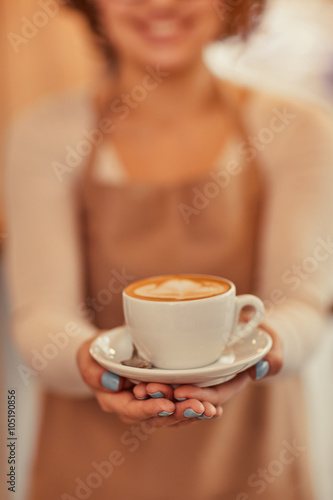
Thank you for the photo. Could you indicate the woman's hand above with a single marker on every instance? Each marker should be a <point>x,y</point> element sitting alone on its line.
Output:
<point>187,397</point>
<point>218,395</point>
<point>163,405</point>
<point>187,408</point>
<point>214,397</point>
<point>115,395</point>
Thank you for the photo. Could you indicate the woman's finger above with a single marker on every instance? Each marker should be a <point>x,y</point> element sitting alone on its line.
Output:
<point>128,407</point>
<point>157,390</point>
<point>272,363</point>
<point>142,410</point>
<point>90,370</point>
<point>140,391</point>
<point>153,390</point>
<point>191,408</point>
<point>186,392</point>
<point>216,395</point>
<point>209,411</point>
<point>114,382</point>
<point>95,376</point>
<point>219,412</point>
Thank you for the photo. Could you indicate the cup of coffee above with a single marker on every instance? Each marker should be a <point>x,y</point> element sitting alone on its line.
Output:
<point>185,321</point>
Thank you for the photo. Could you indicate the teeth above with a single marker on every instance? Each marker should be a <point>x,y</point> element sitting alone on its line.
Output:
<point>163,28</point>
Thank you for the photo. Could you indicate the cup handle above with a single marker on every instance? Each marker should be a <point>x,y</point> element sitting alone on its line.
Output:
<point>243,330</point>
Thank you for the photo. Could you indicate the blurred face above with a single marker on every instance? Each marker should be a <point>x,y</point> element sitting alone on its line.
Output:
<point>169,33</point>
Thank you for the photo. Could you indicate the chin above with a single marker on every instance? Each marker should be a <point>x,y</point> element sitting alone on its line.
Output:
<point>172,61</point>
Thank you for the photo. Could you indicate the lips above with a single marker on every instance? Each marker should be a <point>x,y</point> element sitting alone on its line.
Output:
<point>162,29</point>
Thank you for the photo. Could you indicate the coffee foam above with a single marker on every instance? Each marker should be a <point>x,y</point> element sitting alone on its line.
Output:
<point>178,288</point>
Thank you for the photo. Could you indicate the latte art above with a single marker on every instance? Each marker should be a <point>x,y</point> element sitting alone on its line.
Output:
<point>177,288</point>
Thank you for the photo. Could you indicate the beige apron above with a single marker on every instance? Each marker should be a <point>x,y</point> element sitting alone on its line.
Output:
<point>258,449</point>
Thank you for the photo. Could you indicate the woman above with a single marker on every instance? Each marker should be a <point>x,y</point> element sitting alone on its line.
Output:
<point>104,189</point>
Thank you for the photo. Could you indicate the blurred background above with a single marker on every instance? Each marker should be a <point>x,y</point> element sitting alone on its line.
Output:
<point>45,49</point>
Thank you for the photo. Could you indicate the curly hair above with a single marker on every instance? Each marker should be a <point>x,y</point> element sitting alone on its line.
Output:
<point>240,17</point>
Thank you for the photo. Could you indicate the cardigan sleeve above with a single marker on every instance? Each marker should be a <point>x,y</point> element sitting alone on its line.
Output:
<point>294,144</point>
<point>43,255</point>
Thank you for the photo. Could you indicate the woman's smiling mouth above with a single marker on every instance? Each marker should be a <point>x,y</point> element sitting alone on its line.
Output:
<point>162,28</point>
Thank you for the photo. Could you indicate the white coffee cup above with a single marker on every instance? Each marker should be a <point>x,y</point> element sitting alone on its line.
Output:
<point>189,331</point>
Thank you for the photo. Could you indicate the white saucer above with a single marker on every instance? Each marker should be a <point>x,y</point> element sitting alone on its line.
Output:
<point>114,346</point>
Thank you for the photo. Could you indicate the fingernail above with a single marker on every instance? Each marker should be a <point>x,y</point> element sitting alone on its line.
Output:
<point>262,368</point>
<point>202,417</point>
<point>189,413</point>
<point>111,381</point>
<point>165,414</point>
<point>156,395</point>
<point>181,399</point>
<point>142,399</point>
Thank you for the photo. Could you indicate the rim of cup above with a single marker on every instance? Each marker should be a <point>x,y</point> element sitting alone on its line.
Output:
<point>232,289</point>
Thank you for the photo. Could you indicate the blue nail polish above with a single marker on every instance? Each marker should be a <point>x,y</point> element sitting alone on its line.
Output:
<point>111,381</point>
<point>156,395</point>
<point>165,414</point>
<point>262,368</point>
<point>203,417</point>
<point>142,399</point>
<point>181,399</point>
<point>189,413</point>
